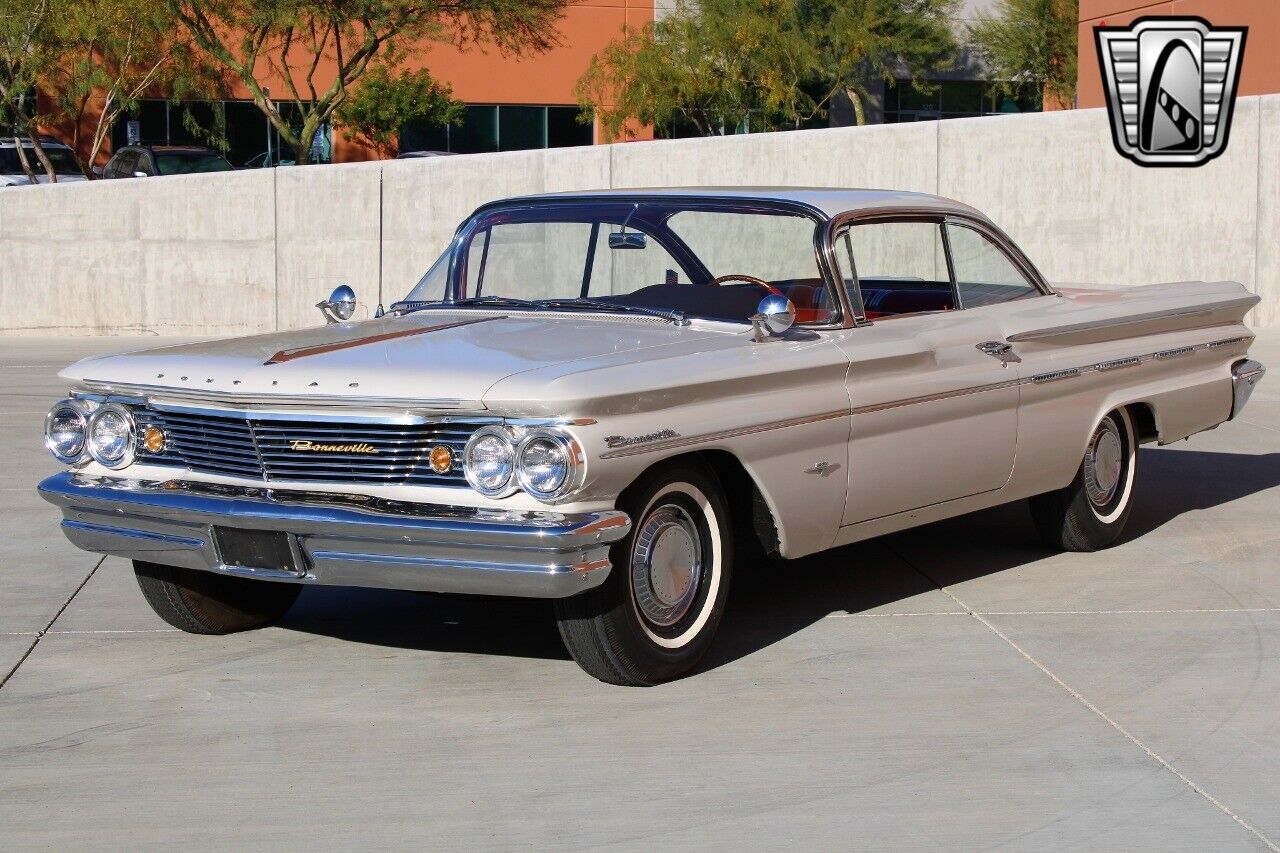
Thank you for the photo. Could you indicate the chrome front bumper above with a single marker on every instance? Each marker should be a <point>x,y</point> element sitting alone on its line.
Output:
<point>343,540</point>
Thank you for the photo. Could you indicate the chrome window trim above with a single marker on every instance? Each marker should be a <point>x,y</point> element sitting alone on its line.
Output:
<point>909,213</point>
<point>820,219</point>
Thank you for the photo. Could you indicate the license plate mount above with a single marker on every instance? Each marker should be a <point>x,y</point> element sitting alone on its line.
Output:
<point>265,551</point>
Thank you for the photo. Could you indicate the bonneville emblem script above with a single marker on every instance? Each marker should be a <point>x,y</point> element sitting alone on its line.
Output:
<point>1171,86</point>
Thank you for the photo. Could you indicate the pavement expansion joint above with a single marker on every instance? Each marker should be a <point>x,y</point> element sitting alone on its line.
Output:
<point>1083,700</point>
<point>40,635</point>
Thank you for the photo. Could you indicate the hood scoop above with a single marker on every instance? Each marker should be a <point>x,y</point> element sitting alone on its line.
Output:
<point>303,352</point>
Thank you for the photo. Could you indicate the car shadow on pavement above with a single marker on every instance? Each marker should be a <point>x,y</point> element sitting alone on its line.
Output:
<point>771,600</point>
<point>775,599</point>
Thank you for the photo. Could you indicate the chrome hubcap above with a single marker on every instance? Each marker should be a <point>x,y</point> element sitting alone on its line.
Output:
<point>666,565</point>
<point>1102,463</point>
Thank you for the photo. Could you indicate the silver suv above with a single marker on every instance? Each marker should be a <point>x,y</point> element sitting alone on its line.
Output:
<point>11,174</point>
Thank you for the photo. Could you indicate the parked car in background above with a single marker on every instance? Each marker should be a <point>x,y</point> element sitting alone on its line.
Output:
<point>12,175</point>
<point>265,160</point>
<point>146,161</point>
<point>413,155</point>
<point>602,398</point>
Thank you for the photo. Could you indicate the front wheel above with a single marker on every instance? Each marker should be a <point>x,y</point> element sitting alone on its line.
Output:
<point>1090,513</point>
<point>208,603</point>
<point>654,617</point>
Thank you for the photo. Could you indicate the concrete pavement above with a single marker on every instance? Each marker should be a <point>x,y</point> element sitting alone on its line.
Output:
<point>957,687</point>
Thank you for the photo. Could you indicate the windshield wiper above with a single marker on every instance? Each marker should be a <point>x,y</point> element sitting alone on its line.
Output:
<point>409,306</point>
<point>676,317</point>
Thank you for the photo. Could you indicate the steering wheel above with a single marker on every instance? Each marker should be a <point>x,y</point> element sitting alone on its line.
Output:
<point>749,279</point>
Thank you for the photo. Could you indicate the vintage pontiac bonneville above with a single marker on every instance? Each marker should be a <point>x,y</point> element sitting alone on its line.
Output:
<point>603,398</point>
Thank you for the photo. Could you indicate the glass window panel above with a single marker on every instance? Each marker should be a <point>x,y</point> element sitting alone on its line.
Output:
<point>773,247</point>
<point>522,128</point>
<point>182,116</point>
<point>901,268</point>
<point>911,98</point>
<point>961,96</point>
<point>564,129</point>
<point>984,274</point>
<point>246,133</point>
<point>424,136</point>
<point>478,133</point>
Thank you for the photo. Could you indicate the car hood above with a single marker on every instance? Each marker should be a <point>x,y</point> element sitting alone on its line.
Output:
<point>436,358</point>
<point>41,178</point>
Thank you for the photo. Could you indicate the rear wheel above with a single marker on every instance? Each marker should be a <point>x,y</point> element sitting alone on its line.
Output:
<point>1091,512</point>
<point>654,617</point>
<point>209,603</point>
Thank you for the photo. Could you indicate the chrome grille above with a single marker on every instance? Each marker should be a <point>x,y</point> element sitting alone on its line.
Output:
<point>243,446</point>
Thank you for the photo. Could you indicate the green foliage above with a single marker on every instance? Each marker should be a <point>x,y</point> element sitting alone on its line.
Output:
<point>718,64</point>
<point>106,55</point>
<point>382,104</point>
<point>321,48</point>
<point>1031,44</point>
<point>24,26</point>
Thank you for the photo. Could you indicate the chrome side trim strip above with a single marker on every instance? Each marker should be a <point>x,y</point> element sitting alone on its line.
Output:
<point>1054,376</point>
<point>931,398</point>
<point>687,441</point>
<point>1035,379</point>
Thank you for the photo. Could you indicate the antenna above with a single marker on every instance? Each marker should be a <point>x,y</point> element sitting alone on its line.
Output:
<point>380,310</point>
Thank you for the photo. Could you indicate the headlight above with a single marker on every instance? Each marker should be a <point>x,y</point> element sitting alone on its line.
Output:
<point>112,436</point>
<point>489,461</point>
<point>64,432</point>
<point>547,464</point>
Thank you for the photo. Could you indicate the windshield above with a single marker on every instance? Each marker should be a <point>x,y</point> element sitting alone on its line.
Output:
<point>63,162</point>
<point>693,258</point>
<point>190,162</point>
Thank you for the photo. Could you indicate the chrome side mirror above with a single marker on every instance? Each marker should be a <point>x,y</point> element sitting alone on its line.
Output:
<point>340,306</point>
<point>773,316</point>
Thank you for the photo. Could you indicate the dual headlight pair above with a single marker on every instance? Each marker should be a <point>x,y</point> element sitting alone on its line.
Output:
<point>545,463</point>
<point>107,434</point>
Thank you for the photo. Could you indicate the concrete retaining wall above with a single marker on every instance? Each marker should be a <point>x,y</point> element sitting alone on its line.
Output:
<point>253,251</point>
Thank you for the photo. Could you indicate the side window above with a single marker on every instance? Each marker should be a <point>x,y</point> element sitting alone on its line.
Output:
<point>984,274</point>
<point>126,164</point>
<point>899,267</point>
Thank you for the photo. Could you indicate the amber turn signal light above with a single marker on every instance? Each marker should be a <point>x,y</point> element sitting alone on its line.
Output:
<point>441,459</point>
<point>153,440</point>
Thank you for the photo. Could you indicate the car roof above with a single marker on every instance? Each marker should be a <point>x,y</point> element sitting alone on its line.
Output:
<point>171,149</point>
<point>829,201</point>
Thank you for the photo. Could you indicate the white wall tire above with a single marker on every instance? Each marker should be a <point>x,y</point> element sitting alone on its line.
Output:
<point>1091,512</point>
<point>655,616</point>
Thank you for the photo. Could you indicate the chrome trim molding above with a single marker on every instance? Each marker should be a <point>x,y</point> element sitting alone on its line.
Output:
<point>1054,376</point>
<point>930,398</point>
<point>1035,379</point>
<point>232,400</point>
<point>316,408</point>
<point>686,441</point>
<point>1245,375</point>
<point>343,540</point>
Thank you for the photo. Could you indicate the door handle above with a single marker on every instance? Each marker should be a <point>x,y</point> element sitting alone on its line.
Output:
<point>1001,350</point>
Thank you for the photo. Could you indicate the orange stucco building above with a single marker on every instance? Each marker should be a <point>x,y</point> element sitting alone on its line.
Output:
<point>1259,73</point>
<point>513,102</point>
